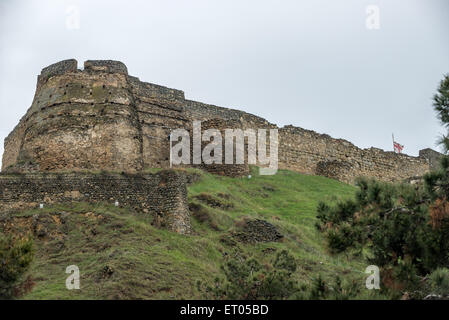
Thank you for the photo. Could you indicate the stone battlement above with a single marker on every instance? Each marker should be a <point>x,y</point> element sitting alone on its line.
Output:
<point>101,118</point>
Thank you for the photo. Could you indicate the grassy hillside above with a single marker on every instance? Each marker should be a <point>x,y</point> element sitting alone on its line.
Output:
<point>122,256</point>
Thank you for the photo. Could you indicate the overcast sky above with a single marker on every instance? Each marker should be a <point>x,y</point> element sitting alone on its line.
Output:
<point>313,64</point>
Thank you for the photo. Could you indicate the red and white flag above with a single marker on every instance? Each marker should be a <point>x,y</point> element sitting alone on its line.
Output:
<point>397,146</point>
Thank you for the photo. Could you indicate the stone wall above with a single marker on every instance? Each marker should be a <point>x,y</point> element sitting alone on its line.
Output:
<point>313,153</point>
<point>159,110</point>
<point>109,66</point>
<point>163,194</point>
<point>200,111</point>
<point>78,120</point>
<point>96,119</point>
<point>100,118</point>
<point>231,170</point>
<point>432,156</point>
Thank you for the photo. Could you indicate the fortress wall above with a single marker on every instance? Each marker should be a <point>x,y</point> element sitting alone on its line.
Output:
<point>230,170</point>
<point>200,111</point>
<point>108,66</point>
<point>13,145</point>
<point>433,157</point>
<point>81,121</point>
<point>103,119</point>
<point>56,69</point>
<point>159,110</point>
<point>154,91</point>
<point>157,123</point>
<point>308,152</point>
<point>99,118</point>
<point>163,194</point>
<point>59,68</point>
<point>81,138</point>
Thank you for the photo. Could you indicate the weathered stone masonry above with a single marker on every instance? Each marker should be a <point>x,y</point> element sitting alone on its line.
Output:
<point>163,194</point>
<point>101,118</point>
<point>313,153</point>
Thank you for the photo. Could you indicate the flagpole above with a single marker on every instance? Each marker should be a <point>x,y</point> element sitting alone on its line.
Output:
<point>392,136</point>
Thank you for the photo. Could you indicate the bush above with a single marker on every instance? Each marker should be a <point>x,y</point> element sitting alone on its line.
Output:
<point>15,258</point>
<point>247,279</point>
<point>321,290</point>
<point>396,236</point>
<point>378,194</point>
<point>439,282</point>
<point>343,211</point>
<point>342,237</point>
<point>397,223</point>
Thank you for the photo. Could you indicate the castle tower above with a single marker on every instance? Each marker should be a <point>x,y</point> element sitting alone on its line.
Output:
<point>99,118</point>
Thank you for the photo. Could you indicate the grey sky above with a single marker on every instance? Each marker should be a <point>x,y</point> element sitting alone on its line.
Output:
<point>313,64</point>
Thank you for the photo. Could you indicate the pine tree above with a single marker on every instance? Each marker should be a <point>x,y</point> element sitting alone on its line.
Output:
<point>437,182</point>
<point>441,106</point>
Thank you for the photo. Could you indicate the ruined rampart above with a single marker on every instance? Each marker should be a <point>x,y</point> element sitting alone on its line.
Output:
<point>162,195</point>
<point>100,118</point>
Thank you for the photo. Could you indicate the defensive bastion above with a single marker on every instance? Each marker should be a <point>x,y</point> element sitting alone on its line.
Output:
<point>101,118</point>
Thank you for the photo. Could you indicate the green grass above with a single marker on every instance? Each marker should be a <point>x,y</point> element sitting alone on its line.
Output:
<point>150,263</point>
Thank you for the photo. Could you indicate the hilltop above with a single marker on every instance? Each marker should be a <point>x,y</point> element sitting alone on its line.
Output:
<point>122,256</point>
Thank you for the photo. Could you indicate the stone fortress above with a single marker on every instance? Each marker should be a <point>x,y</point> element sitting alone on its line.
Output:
<point>102,119</point>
